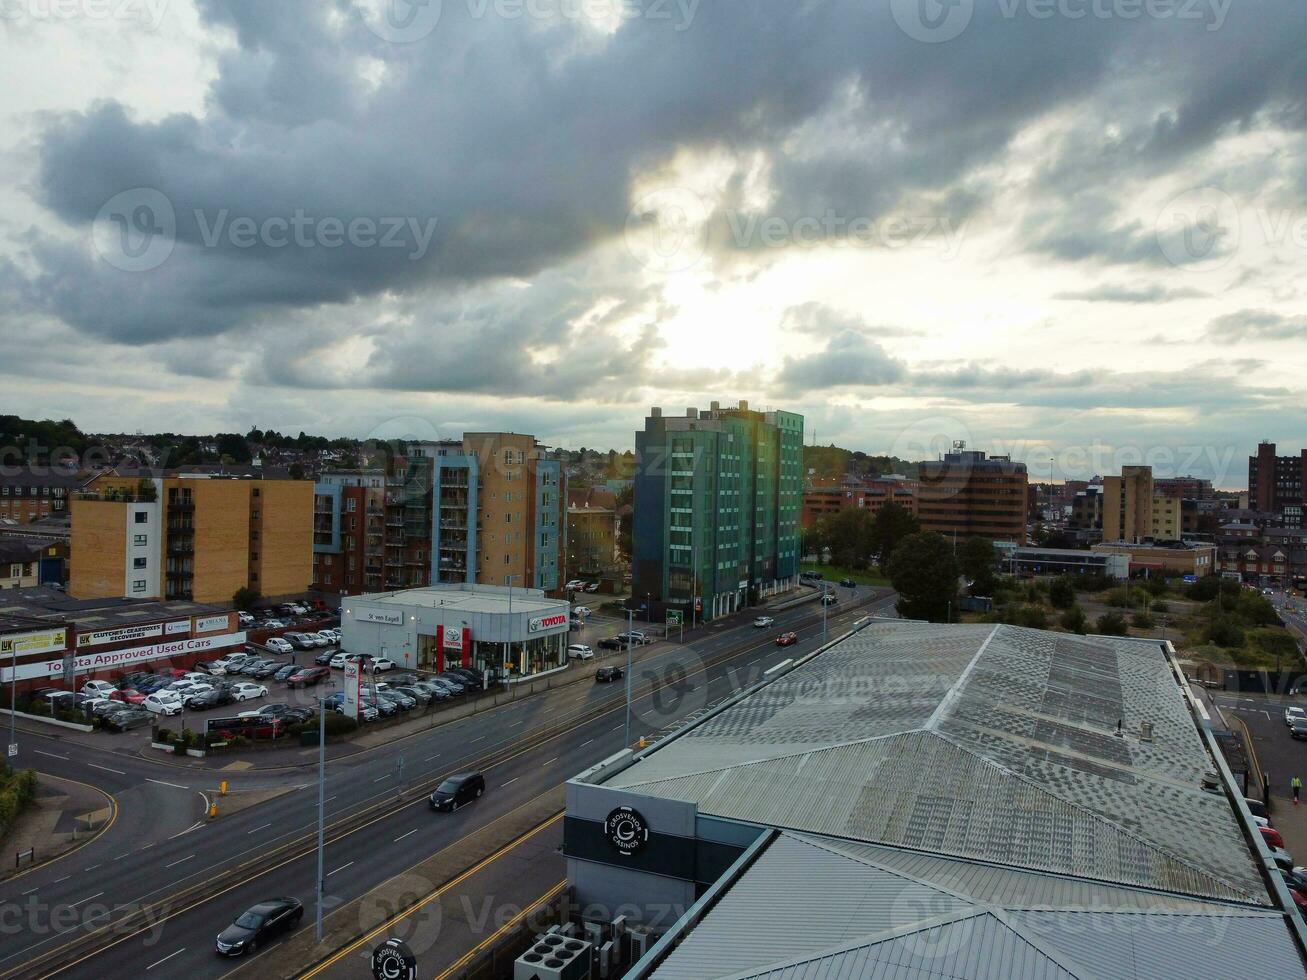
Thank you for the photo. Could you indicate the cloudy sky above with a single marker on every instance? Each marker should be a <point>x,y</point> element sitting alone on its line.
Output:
<point>1072,230</point>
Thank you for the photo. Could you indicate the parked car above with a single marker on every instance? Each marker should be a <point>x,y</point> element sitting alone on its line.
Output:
<point>125,718</point>
<point>579,651</point>
<point>574,585</point>
<point>285,672</point>
<point>386,709</point>
<point>324,659</point>
<point>1283,859</point>
<point>99,688</point>
<point>421,696</point>
<point>165,703</point>
<point>127,696</point>
<point>611,643</point>
<point>581,611</point>
<point>1271,836</point>
<point>1299,728</point>
<point>458,790</point>
<point>636,637</point>
<point>231,663</point>
<point>455,683</point>
<point>338,660</point>
<point>1256,807</point>
<point>212,698</point>
<point>265,670</point>
<point>764,621</point>
<point>306,676</point>
<point>592,587</point>
<point>274,624</point>
<point>300,641</point>
<point>1292,712</point>
<point>606,675</point>
<point>787,639</point>
<point>247,692</point>
<point>378,665</point>
<point>330,635</point>
<point>437,691</point>
<point>848,583</point>
<point>259,924</point>
<point>104,707</point>
<point>401,701</point>
<point>470,679</point>
<point>277,709</point>
<point>278,645</point>
<point>829,598</point>
<point>245,619</point>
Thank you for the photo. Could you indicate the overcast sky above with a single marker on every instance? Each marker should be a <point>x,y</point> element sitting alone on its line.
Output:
<point>1072,230</point>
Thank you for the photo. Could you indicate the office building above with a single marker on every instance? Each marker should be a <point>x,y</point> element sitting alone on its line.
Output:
<point>968,494</point>
<point>509,634</point>
<point>489,508</point>
<point>191,537</point>
<point>1033,561</point>
<point>920,800</point>
<point>718,495</point>
<point>1177,559</point>
<point>1137,508</point>
<point>1087,509</point>
<point>870,495</point>
<point>1278,484</point>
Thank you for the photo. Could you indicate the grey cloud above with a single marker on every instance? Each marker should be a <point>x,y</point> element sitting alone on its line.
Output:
<point>1139,294</point>
<point>849,359</point>
<point>1256,325</point>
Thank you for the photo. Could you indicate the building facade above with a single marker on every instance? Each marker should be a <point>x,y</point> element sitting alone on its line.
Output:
<point>1278,484</point>
<point>191,538</point>
<point>718,495</point>
<point>591,532</point>
<point>28,494</point>
<point>870,495</point>
<point>1197,560</point>
<point>968,494</point>
<point>349,532</point>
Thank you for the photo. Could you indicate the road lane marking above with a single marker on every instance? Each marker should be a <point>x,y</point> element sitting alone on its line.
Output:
<point>257,829</point>
<point>383,776</point>
<point>409,834</point>
<point>57,880</point>
<point>516,723</point>
<point>180,861</point>
<point>51,755</point>
<point>166,958</point>
<point>106,769</point>
<point>510,782</point>
<point>479,738</point>
<point>123,855</point>
<point>28,892</point>
<point>85,900</point>
<point>431,758</point>
<point>162,783</point>
<point>341,868</point>
<point>586,742</point>
<point>93,867</point>
<point>549,763</point>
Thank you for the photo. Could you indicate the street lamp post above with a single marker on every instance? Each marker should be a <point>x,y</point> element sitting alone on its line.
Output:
<point>13,698</point>
<point>824,607</point>
<point>630,625</point>
<point>322,805</point>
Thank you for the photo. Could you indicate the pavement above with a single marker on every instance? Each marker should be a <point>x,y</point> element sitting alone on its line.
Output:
<point>378,823</point>
<point>65,815</point>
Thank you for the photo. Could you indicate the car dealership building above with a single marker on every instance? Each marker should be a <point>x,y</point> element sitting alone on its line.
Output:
<point>510,633</point>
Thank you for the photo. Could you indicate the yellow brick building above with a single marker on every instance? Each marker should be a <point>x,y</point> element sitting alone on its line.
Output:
<point>196,538</point>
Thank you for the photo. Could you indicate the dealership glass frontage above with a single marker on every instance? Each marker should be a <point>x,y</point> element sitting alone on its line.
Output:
<point>508,634</point>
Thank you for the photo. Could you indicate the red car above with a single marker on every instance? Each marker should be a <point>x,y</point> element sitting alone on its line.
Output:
<point>787,639</point>
<point>127,696</point>
<point>308,675</point>
<point>1272,837</point>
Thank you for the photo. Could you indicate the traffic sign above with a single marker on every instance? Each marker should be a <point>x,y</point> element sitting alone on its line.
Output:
<point>675,617</point>
<point>13,749</point>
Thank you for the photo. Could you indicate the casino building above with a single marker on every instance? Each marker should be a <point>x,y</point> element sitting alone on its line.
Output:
<point>510,633</point>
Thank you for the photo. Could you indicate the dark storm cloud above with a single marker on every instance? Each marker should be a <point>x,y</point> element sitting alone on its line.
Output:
<point>520,140</point>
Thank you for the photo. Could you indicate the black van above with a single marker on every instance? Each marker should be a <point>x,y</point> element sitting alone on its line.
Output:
<point>464,787</point>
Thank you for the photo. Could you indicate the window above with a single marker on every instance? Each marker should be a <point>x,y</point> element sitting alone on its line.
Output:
<point>140,562</point>
<point>508,559</point>
<point>255,493</point>
<point>508,518</point>
<point>140,539</point>
<point>254,556</point>
<point>138,585</point>
<point>142,517</point>
<point>254,515</point>
<point>351,504</point>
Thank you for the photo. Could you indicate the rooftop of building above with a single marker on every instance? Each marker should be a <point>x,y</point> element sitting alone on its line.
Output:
<point>43,603</point>
<point>42,476</point>
<point>15,550</point>
<point>10,623</point>
<point>469,598</point>
<point>957,801</point>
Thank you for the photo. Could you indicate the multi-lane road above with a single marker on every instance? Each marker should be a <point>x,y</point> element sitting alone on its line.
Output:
<point>162,855</point>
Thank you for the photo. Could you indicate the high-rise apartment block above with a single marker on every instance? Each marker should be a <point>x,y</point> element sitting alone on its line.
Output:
<point>1278,484</point>
<point>488,509</point>
<point>190,537</point>
<point>718,495</point>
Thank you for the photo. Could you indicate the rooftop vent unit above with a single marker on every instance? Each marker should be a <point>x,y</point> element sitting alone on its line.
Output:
<point>554,957</point>
<point>1145,731</point>
<point>1211,781</point>
<point>691,413</point>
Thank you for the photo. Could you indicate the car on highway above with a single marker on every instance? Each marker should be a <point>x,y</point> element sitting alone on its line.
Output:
<point>763,621</point>
<point>1292,712</point>
<point>165,703</point>
<point>848,583</point>
<point>246,691</point>
<point>125,718</point>
<point>579,651</point>
<point>278,645</point>
<point>829,598</point>
<point>787,639</point>
<point>1299,728</point>
<point>606,675</point>
<point>258,925</point>
<point>307,676</point>
<point>458,790</point>
<point>99,688</point>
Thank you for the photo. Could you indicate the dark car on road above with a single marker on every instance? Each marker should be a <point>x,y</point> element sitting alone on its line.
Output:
<point>606,675</point>
<point>457,790</point>
<point>307,676</point>
<point>829,598</point>
<point>120,721</point>
<point>848,583</point>
<point>262,922</point>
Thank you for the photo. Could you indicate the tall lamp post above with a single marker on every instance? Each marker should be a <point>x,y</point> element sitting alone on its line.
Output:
<point>630,625</point>
<point>322,804</point>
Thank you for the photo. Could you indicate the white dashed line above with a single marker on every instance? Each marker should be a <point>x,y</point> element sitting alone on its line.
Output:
<point>179,861</point>
<point>341,868</point>
<point>166,958</point>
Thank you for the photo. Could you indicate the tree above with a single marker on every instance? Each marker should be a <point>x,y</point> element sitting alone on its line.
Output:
<point>893,524</point>
<point>625,520</point>
<point>1112,624</point>
<point>233,445</point>
<point>245,598</point>
<point>924,571</point>
<point>978,559</point>
<point>1062,593</point>
<point>1074,619</point>
<point>850,536</point>
<point>1225,631</point>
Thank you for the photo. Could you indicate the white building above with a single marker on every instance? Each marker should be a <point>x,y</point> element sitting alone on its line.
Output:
<point>510,633</point>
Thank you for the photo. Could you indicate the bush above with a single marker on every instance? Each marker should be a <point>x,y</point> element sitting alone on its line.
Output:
<point>1161,607</point>
<point>164,736</point>
<point>1075,620</point>
<point>1111,624</point>
<point>1142,621</point>
<point>338,724</point>
<point>1062,593</point>
<point>1125,597</point>
<point>1225,631</point>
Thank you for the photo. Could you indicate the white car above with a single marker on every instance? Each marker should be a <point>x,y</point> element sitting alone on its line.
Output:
<point>184,687</point>
<point>762,621</point>
<point>230,663</point>
<point>332,635</point>
<point>164,703</point>
<point>379,664</point>
<point>1291,713</point>
<point>248,692</point>
<point>581,611</point>
<point>579,651</point>
<point>277,645</point>
<point>274,624</point>
<point>338,661</point>
<point>318,640</point>
<point>101,688</point>
<point>575,584</point>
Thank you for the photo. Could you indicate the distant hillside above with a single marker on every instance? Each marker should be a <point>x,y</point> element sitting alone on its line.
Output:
<point>832,462</point>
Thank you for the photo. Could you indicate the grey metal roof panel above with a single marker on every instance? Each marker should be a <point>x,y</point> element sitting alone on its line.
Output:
<point>1144,947</point>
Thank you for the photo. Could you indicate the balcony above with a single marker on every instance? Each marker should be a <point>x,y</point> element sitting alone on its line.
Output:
<point>394,522</point>
<point>181,504</point>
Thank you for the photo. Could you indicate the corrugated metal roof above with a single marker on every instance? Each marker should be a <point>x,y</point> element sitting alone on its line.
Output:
<point>995,743</point>
<point>798,898</point>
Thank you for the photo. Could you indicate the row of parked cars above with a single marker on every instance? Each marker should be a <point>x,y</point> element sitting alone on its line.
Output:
<point>1295,877</point>
<point>405,692</point>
